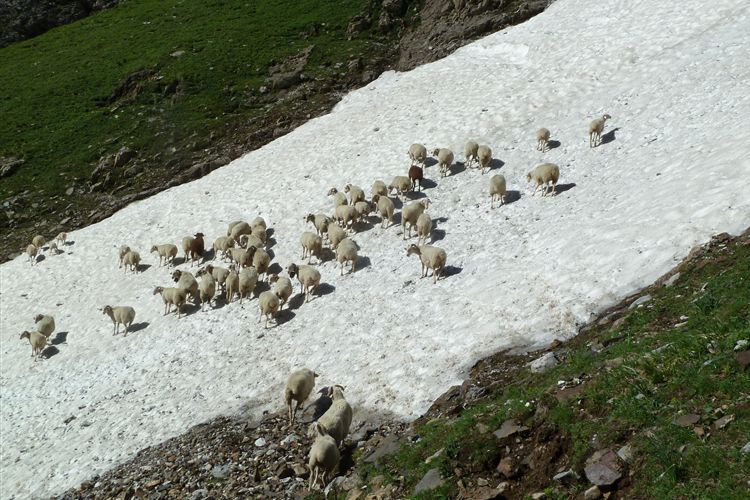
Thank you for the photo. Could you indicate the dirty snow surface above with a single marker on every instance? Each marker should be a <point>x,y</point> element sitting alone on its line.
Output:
<point>672,171</point>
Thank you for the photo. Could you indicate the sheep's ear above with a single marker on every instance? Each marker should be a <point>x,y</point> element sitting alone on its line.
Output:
<point>315,375</point>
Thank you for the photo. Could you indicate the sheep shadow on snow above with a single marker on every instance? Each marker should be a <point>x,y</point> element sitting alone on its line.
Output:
<point>561,188</point>
<point>428,183</point>
<point>284,316</point>
<point>50,351</point>
<point>449,271</point>
<point>142,267</point>
<point>69,243</point>
<point>40,258</point>
<point>60,338</point>
<point>437,235</point>
<point>496,164</point>
<point>137,327</point>
<point>553,144</point>
<point>270,242</point>
<point>275,268</point>
<point>457,168</point>
<point>415,195</point>
<point>397,202</point>
<point>512,196</point>
<point>363,262</point>
<point>324,289</point>
<point>609,136</point>
<point>430,162</point>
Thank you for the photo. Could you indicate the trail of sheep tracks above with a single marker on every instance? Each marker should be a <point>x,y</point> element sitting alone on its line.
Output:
<point>673,170</point>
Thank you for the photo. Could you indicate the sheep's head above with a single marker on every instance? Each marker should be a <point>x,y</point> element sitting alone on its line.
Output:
<point>198,235</point>
<point>412,249</point>
<point>436,152</point>
<point>347,188</point>
<point>292,270</point>
<point>528,177</point>
<point>606,117</point>
<point>274,278</point>
<point>425,203</point>
<point>158,289</point>
<point>176,275</point>
<point>38,318</point>
<point>332,191</point>
<point>309,218</point>
<point>375,198</point>
<point>337,392</point>
<point>154,249</point>
<point>107,310</point>
<point>25,334</point>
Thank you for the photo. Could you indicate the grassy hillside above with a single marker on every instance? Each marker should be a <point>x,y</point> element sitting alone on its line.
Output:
<point>665,378</point>
<point>169,79</point>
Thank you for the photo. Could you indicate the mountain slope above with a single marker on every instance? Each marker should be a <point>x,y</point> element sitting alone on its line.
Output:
<point>672,171</point>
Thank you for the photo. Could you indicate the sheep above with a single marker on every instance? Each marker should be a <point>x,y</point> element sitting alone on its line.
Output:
<point>247,282</point>
<point>268,303</point>
<point>308,276</point>
<point>258,222</point>
<point>243,257</point>
<point>172,296</point>
<point>417,154</point>
<point>497,189</point>
<point>312,244</point>
<point>411,213</point>
<point>542,175</point>
<point>356,193</point>
<point>431,258</point>
<point>401,184</point>
<point>120,315</point>
<point>219,274</point>
<point>31,251</point>
<point>320,221</point>
<point>385,208</point>
<point>416,175</point>
<point>260,233</point>
<point>324,456</point>
<point>238,229</point>
<point>124,249</point>
<point>61,238</point>
<point>249,240</point>
<point>470,153</point>
<point>363,209</point>
<point>38,343</point>
<point>187,241</point>
<point>206,289</point>
<point>223,244</point>
<point>379,188</point>
<point>232,225</point>
<point>445,160</point>
<point>53,248</point>
<point>232,285</point>
<point>132,259</point>
<point>167,252</point>
<point>262,261</point>
<point>596,127</point>
<point>335,235</point>
<point>338,418</point>
<point>484,156</point>
<point>424,228</point>
<point>347,252</point>
<point>345,215</point>
<point>197,247</point>
<point>187,281</point>
<point>338,198</point>
<point>298,388</point>
<point>38,241</point>
<point>282,288</point>
<point>542,139</point>
<point>45,324</point>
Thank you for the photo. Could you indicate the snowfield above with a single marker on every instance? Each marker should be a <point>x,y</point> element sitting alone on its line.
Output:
<point>673,170</point>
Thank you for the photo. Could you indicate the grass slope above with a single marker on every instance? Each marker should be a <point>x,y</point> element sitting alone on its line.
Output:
<point>672,356</point>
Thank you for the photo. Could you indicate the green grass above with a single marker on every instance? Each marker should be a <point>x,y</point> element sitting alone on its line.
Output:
<point>54,88</point>
<point>665,371</point>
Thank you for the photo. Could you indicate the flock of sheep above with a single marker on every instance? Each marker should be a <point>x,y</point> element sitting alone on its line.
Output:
<point>244,246</point>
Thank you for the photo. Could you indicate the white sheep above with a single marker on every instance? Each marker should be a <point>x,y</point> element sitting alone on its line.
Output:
<point>239,229</point>
<point>324,456</point>
<point>335,235</point>
<point>259,222</point>
<point>345,215</point>
<point>31,251</point>
<point>243,257</point>
<point>268,303</point>
<point>172,297</point>
<point>187,242</point>
<point>320,221</point>
<point>61,238</point>
<point>379,188</point>
<point>261,233</point>
<point>542,139</point>
<point>123,251</point>
<point>338,197</point>
<point>445,160</point>
<point>298,388</point>
<point>223,244</point>
<point>206,289</point>
<point>282,287</point>
<point>45,324</point>
<point>38,241</point>
<point>312,244</point>
<point>363,208</point>
<point>417,154</point>
<point>231,226</point>
<point>219,274</point>
<point>497,189</point>
<point>596,127</point>
<point>356,193</point>
<point>543,175</point>
<point>431,258</point>
<point>338,418</point>
<point>411,213</point>
<point>187,281</point>
<point>308,276</point>
<point>232,285</point>
<point>424,228</point>
<point>401,184</point>
<point>38,343</point>
<point>248,280</point>
<point>120,315</point>
<point>385,208</point>
<point>484,156</point>
<point>131,260</point>
<point>53,248</point>
<point>250,240</point>
<point>167,252</point>
<point>470,153</point>
<point>261,262</point>
<point>347,252</point>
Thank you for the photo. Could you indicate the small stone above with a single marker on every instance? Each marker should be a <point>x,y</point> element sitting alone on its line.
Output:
<point>430,481</point>
<point>69,191</point>
<point>745,449</point>
<point>544,363</point>
<point>687,420</point>
<point>482,429</point>
<point>388,446</point>
<point>626,453</point>
<point>482,482</point>
<point>152,483</point>
<point>602,468</point>
<point>741,344</point>
<point>592,493</point>
<point>221,471</point>
<point>300,470</point>
<point>291,438</point>
<point>177,53</point>
<point>260,442</point>
<point>639,301</point>
<point>568,475</point>
<point>743,358</point>
<point>200,493</point>
<point>434,456</point>
<point>699,431</point>
<point>723,422</point>
<point>672,279</point>
<point>507,467</point>
<point>509,428</point>
<point>538,496</point>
